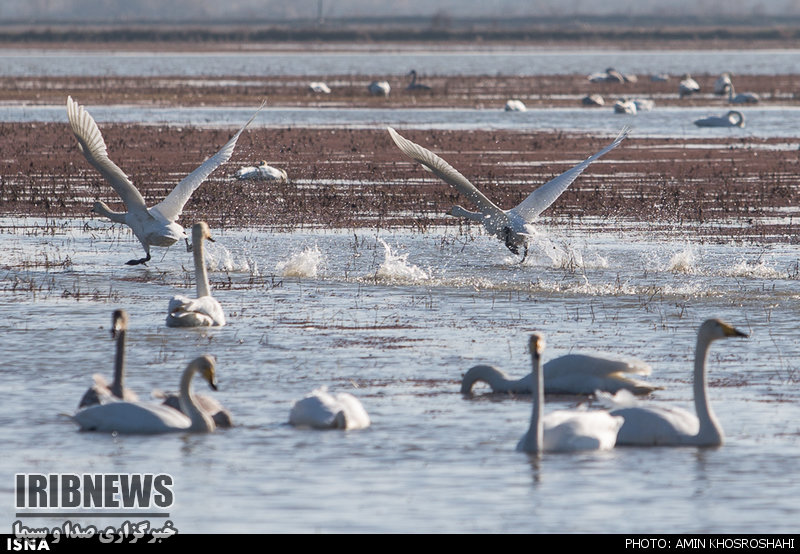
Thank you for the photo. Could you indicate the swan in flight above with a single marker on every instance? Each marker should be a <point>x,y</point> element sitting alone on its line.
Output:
<point>515,106</point>
<point>205,310</point>
<point>414,85</point>
<point>323,410</point>
<point>570,374</point>
<point>156,226</point>
<point>149,418</point>
<point>319,87</point>
<point>669,426</point>
<point>687,86</point>
<point>731,119</point>
<point>511,226</point>
<point>262,172</point>
<point>101,391</point>
<point>379,88</point>
<point>564,430</point>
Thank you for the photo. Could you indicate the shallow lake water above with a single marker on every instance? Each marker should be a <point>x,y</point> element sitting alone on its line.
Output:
<point>396,317</point>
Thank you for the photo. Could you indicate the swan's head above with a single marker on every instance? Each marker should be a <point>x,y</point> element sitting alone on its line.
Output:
<point>736,118</point>
<point>536,345</point>
<point>714,329</point>
<point>201,231</point>
<point>262,163</point>
<point>101,208</point>
<point>205,365</point>
<point>119,322</point>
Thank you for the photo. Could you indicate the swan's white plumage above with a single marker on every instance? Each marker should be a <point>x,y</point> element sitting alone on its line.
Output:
<point>515,105</point>
<point>564,430</point>
<point>722,83</point>
<point>379,88</point>
<point>731,119</point>
<point>102,391</point>
<point>670,426</point>
<point>149,418</point>
<point>323,410</point>
<point>319,87</point>
<point>156,226</point>
<point>511,226</point>
<point>570,374</point>
<point>207,404</point>
<point>687,86</point>
<point>262,172</point>
<point>205,310</point>
<point>625,106</point>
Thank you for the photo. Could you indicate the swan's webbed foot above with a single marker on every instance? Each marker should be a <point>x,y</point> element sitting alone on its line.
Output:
<point>142,261</point>
<point>524,254</point>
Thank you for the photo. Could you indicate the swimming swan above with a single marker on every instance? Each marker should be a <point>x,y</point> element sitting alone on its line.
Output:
<point>570,374</point>
<point>207,404</point>
<point>564,430</point>
<point>322,410</point>
<point>101,391</point>
<point>731,119</point>
<point>148,418</point>
<point>205,310</point>
<point>414,85</point>
<point>669,426</point>
<point>156,226</point>
<point>511,226</point>
<point>262,172</point>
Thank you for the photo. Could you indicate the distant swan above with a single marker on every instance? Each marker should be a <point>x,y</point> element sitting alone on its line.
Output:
<point>379,88</point>
<point>101,391</point>
<point>511,226</point>
<point>564,430</point>
<point>205,310</point>
<point>156,226</point>
<point>322,410</point>
<point>414,85</point>
<point>722,83</point>
<point>319,87</point>
<point>668,426</point>
<point>688,86</point>
<point>148,418</point>
<point>263,172</point>
<point>570,374</point>
<point>593,100</point>
<point>515,106</point>
<point>625,106</point>
<point>731,119</point>
<point>742,97</point>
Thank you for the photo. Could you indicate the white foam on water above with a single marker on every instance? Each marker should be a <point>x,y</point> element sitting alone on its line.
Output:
<point>301,264</point>
<point>396,268</point>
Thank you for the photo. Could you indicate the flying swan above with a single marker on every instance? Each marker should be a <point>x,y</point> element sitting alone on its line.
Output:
<point>564,430</point>
<point>669,426</point>
<point>101,391</point>
<point>156,226</point>
<point>323,410</point>
<point>570,374</point>
<point>205,310</point>
<point>149,418</point>
<point>511,226</point>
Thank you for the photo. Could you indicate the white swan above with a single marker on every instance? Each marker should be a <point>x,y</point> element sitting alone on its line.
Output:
<point>149,418</point>
<point>570,374</point>
<point>626,106</point>
<point>511,226</point>
<point>742,97</point>
<point>669,426</point>
<point>379,88</point>
<point>319,87</point>
<point>322,410</point>
<point>731,119</point>
<point>262,172</point>
<point>687,86</point>
<point>564,430</point>
<point>593,100</point>
<point>205,310</point>
<point>156,226</point>
<point>514,105</point>
<point>101,391</point>
<point>722,83</point>
<point>414,85</point>
<point>207,404</point>
<point>644,104</point>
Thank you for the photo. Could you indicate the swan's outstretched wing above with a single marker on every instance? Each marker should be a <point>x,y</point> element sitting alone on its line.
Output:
<point>541,199</point>
<point>447,173</point>
<point>91,143</point>
<point>172,206</point>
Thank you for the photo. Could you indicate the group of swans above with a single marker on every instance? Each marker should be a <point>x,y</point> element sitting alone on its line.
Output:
<point>576,430</point>
<point>513,226</point>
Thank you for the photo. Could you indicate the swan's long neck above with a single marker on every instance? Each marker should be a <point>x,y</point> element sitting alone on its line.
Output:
<point>534,437</point>
<point>200,274</point>
<point>119,365</point>
<point>103,209</point>
<point>200,421</point>
<point>710,432</point>
<point>495,379</point>
<point>458,211</point>
<point>731,93</point>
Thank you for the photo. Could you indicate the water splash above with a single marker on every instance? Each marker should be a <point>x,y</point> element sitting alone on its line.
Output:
<point>301,264</point>
<point>683,262</point>
<point>219,258</point>
<point>757,270</point>
<point>395,268</point>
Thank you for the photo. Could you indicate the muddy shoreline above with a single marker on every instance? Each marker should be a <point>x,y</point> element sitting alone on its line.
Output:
<point>349,178</point>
